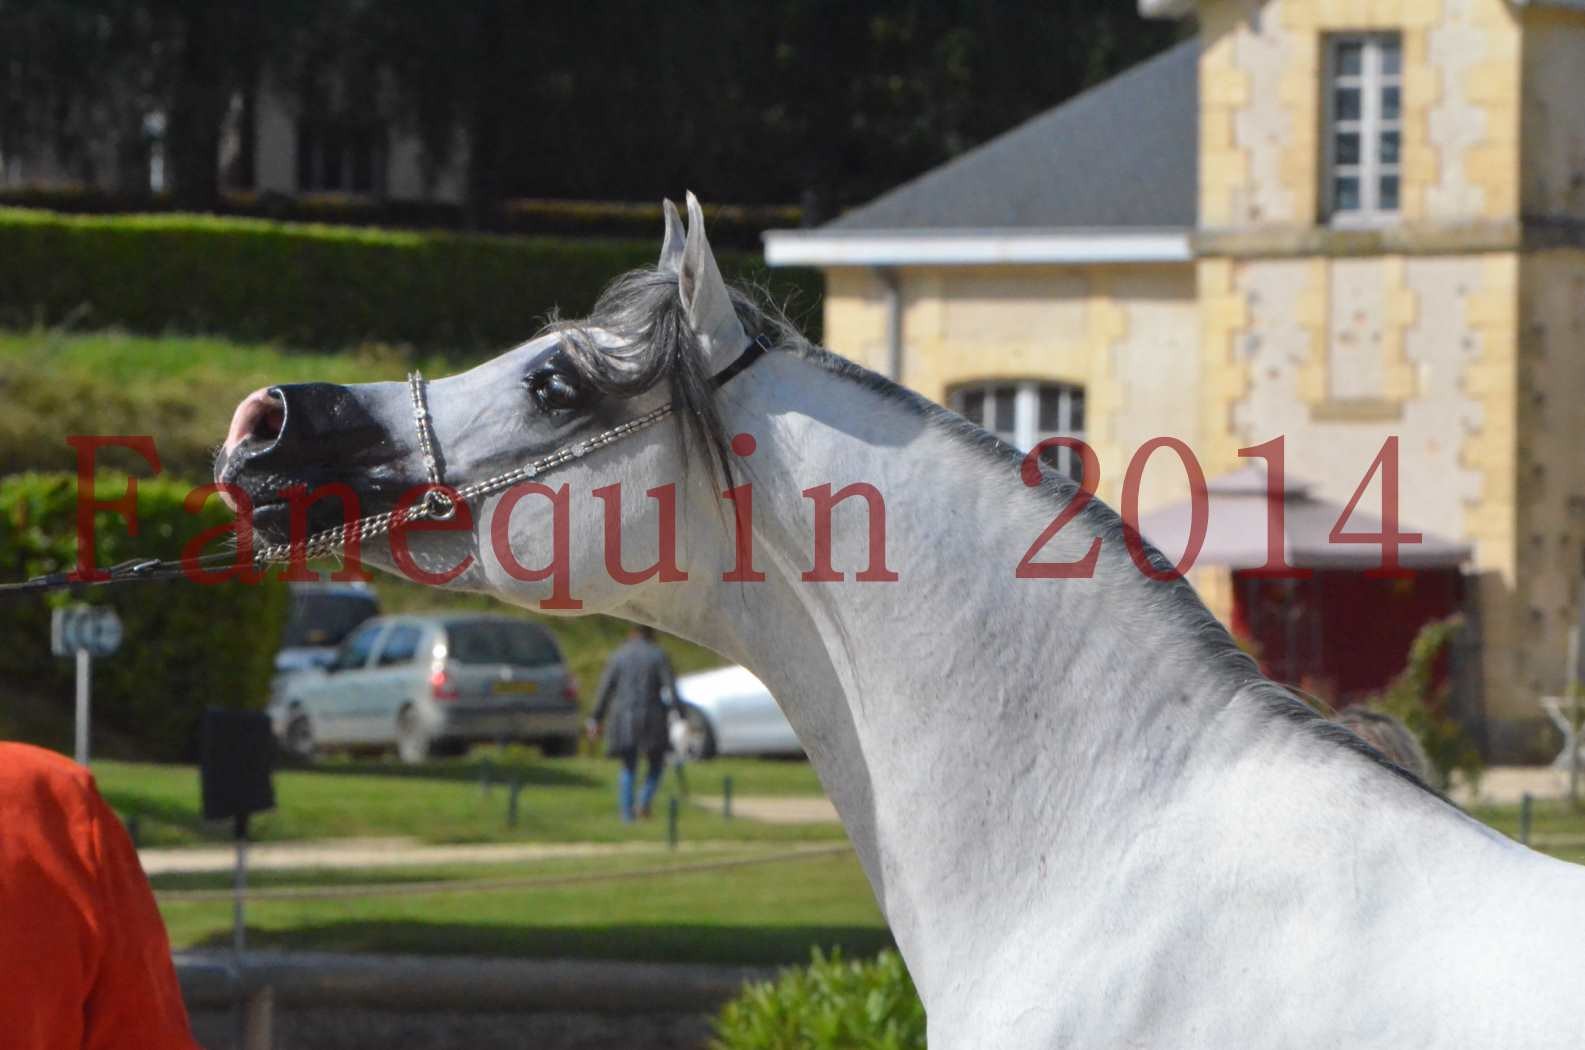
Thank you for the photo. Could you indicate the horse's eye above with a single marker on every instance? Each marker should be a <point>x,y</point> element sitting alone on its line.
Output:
<point>555,391</point>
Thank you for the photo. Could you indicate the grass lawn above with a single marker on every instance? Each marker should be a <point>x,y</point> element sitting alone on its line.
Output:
<point>763,914</point>
<point>1555,825</point>
<point>562,800</point>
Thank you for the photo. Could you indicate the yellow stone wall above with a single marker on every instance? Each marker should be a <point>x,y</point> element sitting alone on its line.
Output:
<point>1550,474</point>
<point>1261,68</point>
<point>1429,345</point>
<point>1125,333</point>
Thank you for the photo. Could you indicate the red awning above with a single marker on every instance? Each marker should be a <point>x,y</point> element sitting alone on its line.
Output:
<point>1235,535</point>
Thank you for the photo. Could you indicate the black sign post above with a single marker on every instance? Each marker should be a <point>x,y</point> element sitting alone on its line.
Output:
<point>237,753</point>
<point>236,756</point>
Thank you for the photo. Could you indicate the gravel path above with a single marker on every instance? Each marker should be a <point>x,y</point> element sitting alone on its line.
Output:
<point>394,853</point>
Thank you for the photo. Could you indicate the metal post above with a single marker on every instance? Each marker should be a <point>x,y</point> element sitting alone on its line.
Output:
<point>726,798</point>
<point>1571,694</point>
<point>1524,818</point>
<point>84,671</point>
<point>239,929</point>
<point>258,1019</point>
<point>671,822</point>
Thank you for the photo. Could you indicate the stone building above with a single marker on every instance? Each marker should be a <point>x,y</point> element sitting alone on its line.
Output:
<point>1333,221</point>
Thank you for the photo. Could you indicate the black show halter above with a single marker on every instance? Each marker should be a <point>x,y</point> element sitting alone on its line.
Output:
<point>438,502</point>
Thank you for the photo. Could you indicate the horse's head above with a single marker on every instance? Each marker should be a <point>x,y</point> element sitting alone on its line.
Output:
<point>657,337</point>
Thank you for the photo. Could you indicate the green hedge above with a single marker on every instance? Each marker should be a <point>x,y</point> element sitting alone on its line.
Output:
<point>736,226</point>
<point>832,1004</point>
<point>322,287</point>
<point>186,647</point>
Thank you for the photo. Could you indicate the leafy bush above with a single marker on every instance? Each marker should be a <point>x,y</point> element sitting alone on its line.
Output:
<point>186,647</point>
<point>832,1004</point>
<point>315,286</point>
<point>1414,698</point>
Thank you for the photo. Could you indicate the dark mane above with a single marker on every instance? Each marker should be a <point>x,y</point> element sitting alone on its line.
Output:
<point>645,308</point>
<point>644,305</point>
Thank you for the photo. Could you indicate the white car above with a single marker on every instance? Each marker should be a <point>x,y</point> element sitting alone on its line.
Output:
<point>729,712</point>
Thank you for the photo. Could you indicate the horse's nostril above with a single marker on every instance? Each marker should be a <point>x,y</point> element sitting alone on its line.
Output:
<point>267,423</point>
<point>260,417</point>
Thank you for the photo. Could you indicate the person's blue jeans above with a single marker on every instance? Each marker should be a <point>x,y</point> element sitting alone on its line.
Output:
<point>625,781</point>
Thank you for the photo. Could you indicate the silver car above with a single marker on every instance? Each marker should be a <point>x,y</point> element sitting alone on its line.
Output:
<point>432,684</point>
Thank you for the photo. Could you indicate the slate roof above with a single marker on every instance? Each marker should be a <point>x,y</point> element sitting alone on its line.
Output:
<point>1122,154</point>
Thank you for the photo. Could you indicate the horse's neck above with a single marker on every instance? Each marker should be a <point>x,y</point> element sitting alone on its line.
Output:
<point>987,739</point>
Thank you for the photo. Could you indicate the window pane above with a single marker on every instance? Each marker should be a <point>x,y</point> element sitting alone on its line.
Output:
<point>1346,103</point>
<point>971,403</point>
<point>1350,58</point>
<point>1389,193</point>
<point>1056,457</point>
<point>1345,193</point>
<point>1002,417</point>
<point>1347,147</point>
<point>1076,412</point>
<point>1389,147</point>
<point>494,642</point>
<point>362,163</point>
<point>400,645</point>
<point>1050,408</point>
<point>1389,103</point>
<point>1389,58</point>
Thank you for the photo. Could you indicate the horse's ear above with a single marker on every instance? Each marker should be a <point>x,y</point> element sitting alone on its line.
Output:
<point>671,247</point>
<point>704,294</point>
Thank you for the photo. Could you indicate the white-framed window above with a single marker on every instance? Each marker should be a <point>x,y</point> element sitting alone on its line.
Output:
<point>1024,412</point>
<point>1364,127</point>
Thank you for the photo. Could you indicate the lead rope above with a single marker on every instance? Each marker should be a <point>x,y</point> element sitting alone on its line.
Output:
<point>438,503</point>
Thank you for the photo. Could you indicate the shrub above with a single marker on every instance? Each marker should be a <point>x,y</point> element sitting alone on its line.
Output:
<point>1414,698</point>
<point>186,647</point>
<point>317,286</point>
<point>832,1004</point>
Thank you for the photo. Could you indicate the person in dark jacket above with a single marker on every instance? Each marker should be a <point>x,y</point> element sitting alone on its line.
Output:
<point>634,701</point>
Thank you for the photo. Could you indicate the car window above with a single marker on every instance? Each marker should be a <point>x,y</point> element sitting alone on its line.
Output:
<point>500,642</point>
<point>354,652</point>
<point>319,618</point>
<point>400,645</point>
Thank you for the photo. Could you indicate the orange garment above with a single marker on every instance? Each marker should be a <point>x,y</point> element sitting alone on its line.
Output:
<point>84,959</point>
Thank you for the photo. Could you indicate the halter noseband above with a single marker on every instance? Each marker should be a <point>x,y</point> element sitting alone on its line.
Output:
<point>438,503</point>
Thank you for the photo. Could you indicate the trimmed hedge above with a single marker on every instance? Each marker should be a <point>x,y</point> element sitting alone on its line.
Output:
<point>322,287</point>
<point>187,647</point>
<point>736,226</point>
<point>832,1004</point>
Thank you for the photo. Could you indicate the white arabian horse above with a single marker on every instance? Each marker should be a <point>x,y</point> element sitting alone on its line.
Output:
<point>1089,820</point>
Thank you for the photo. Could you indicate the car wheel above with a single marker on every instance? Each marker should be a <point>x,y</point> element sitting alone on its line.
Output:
<point>413,744</point>
<point>695,741</point>
<point>299,740</point>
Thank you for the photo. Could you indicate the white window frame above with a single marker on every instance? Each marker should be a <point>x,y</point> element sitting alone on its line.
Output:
<point>1372,81</point>
<point>1026,413</point>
